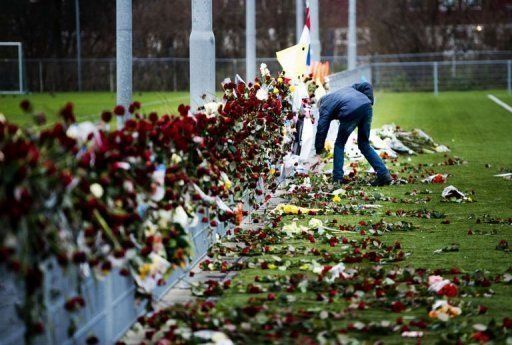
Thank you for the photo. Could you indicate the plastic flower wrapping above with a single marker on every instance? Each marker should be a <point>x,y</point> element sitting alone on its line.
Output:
<point>124,199</point>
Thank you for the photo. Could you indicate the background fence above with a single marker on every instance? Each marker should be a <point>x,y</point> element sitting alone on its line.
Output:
<point>397,72</point>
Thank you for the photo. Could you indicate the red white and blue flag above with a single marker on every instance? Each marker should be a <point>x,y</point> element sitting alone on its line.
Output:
<point>305,37</point>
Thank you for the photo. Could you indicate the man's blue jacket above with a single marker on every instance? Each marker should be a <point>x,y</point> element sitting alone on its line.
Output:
<point>339,105</point>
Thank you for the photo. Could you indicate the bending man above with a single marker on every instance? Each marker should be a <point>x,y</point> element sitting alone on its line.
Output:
<point>352,106</point>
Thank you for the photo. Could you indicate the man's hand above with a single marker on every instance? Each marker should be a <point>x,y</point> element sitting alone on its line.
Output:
<point>314,163</point>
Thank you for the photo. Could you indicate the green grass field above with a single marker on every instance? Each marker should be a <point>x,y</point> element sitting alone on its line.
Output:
<point>478,131</point>
<point>475,128</point>
<point>88,105</point>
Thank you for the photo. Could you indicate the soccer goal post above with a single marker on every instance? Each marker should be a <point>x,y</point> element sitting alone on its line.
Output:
<point>11,68</point>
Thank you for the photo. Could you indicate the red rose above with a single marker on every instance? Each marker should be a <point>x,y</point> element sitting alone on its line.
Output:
<point>482,337</point>
<point>25,105</point>
<point>397,307</point>
<point>153,117</point>
<point>119,110</point>
<point>449,290</point>
<point>106,116</point>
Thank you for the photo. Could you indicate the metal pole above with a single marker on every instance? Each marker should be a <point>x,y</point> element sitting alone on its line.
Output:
<point>124,55</point>
<point>250,40</point>
<point>202,53</point>
<point>20,66</point>
<point>111,75</point>
<point>174,76</point>
<point>299,18</point>
<point>78,45</point>
<point>316,48</point>
<point>509,76</point>
<point>352,36</point>
<point>436,79</point>
<point>40,76</point>
<point>454,63</point>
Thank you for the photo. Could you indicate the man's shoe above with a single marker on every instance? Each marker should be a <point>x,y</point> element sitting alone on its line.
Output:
<point>341,182</point>
<point>381,181</point>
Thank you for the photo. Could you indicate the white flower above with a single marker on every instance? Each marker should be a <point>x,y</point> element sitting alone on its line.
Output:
<point>96,190</point>
<point>180,217</point>
<point>292,228</point>
<point>176,159</point>
<point>315,223</point>
<point>128,186</point>
<point>264,70</point>
<point>80,131</point>
<point>212,108</point>
<point>217,338</point>
<point>436,283</point>
<point>336,272</point>
<point>262,94</point>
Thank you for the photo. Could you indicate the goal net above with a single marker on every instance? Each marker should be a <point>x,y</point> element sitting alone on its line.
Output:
<point>11,68</point>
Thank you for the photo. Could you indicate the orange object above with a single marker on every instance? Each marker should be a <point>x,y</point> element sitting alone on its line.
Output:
<point>239,213</point>
<point>320,70</point>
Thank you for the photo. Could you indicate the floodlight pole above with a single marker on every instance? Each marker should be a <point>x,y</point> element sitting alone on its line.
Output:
<point>316,48</point>
<point>250,40</point>
<point>202,53</point>
<point>352,36</point>
<point>78,45</point>
<point>299,18</point>
<point>124,55</point>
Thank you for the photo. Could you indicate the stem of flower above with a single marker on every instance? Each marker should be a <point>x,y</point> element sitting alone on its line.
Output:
<point>106,228</point>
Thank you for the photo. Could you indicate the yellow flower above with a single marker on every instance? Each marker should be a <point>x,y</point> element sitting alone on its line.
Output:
<point>292,209</point>
<point>336,198</point>
<point>272,171</point>
<point>292,89</point>
<point>279,80</point>
<point>144,270</point>
<point>272,266</point>
<point>276,90</point>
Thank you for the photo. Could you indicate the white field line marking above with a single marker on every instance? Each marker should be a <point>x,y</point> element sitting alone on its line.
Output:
<point>500,102</point>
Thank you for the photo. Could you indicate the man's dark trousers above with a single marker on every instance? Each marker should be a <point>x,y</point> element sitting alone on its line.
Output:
<point>362,119</point>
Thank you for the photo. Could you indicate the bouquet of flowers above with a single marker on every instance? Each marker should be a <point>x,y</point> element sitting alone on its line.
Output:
<point>124,199</point>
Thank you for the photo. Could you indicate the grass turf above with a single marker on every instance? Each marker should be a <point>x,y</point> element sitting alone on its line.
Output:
<point>477,130</point>
<point>474,127</point>
<point>88,105</point>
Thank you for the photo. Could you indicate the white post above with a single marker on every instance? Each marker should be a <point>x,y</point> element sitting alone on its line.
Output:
<point>111,75</point>
<point>202,53</point>
<point>250,40</point>
<point>509,76</point>
<point>352,36</point>
<point>316,48</point>
<point>20,67</point>
<point>124,55</point>
<point>78,45</point>
<point>436,79</point>
<point>40,76</point>
<point>299,18</point>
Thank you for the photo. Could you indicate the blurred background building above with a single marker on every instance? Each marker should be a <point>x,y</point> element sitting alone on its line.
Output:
<point>388,31</point>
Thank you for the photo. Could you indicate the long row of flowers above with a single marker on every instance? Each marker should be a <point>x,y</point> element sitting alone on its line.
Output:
<point>102,198</point>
